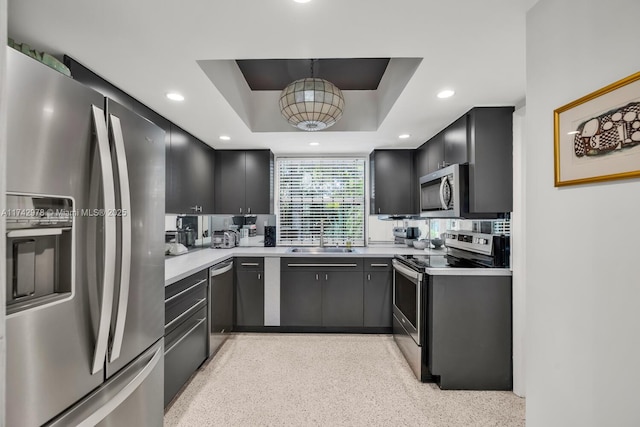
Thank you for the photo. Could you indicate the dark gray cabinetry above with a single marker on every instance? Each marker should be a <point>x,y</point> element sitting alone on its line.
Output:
<point>185,331</point>
<point>321,292</point>
<point>249,292</point>
<point>490,133</point>
<point>244,182</point>
<point>434,153</point>
<point>483,138</point>
<point>192,168</point>
<point>300,298</point>
<point>392,183</point>
<point>447,148</point>
<point>342,297</point>
<point>454,140</point>
<point>378,276</point>
<point>469,331</point>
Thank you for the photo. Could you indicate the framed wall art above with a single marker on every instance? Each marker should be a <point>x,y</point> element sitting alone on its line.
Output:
<point>597,137</point>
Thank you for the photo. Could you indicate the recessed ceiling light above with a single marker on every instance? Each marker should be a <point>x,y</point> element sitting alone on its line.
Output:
<point>404,136</point>
<point>447,93</point>
<point>314,143</point>
<point>175,96</point>
<point>225,138</point>
<point>302,1</point>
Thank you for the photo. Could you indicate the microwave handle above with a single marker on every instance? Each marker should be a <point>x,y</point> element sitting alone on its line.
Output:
<point>442,201</point>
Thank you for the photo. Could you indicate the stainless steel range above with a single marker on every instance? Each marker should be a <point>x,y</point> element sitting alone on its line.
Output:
<point>410,288</point>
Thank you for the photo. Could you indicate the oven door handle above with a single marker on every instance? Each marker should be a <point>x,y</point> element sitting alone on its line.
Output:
<point>406,271</point>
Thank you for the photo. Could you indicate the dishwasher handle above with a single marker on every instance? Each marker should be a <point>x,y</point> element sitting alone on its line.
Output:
<point>218,271</point>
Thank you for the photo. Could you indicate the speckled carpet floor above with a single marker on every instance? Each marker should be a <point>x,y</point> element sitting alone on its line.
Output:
<point>328,380</point>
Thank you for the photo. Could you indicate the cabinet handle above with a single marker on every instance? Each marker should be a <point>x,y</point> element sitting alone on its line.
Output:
<point>196,208</point>
<point>378,210</point>
<point>240,210</point>
<point>369,277</point>
<point>317,276</point>
<point>326,277</point>
<point>185,291</point>
<point>379,265</point>
<point>322,265</point>
<point>248,210</point>
<point>250,264</point>
<point>259,276</point>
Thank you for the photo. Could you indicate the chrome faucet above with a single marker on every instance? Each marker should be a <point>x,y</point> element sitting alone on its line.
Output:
<point>322,233</point>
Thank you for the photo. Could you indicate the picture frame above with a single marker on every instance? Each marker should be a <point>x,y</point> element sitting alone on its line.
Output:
<point>597,137</point>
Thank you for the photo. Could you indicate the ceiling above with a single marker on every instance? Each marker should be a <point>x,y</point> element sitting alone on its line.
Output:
<point>345,73</point>
<point>149,48</point>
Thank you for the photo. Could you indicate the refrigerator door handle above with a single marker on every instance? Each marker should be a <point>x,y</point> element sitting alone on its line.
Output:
<point>125,220</point>
<point>108,275</point>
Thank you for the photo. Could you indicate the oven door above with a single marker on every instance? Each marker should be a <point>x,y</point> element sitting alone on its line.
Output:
<point>407,297</point>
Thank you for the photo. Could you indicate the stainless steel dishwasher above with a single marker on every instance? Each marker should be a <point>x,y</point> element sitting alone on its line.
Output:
<point>220,304</point>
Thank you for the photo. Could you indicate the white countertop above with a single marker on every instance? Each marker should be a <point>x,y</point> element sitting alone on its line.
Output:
<point>181,266</point>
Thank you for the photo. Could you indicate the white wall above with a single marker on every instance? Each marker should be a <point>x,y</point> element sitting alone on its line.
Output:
<point>518,252</point>
<point>583,263</point>
<point>3,118</point>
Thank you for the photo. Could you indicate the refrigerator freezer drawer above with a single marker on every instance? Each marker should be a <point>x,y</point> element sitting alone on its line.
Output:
<point>129,398</point>
<point>185,351</point>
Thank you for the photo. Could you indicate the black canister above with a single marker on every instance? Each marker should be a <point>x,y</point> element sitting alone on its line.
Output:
<point>270,236</point>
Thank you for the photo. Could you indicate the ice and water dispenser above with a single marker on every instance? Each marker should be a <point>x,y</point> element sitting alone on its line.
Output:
<point>39,250</point>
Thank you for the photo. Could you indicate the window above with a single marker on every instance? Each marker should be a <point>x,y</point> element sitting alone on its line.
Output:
<point>315,194</point>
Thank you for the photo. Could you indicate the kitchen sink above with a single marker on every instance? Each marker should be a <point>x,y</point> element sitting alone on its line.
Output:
<point>323,250</point>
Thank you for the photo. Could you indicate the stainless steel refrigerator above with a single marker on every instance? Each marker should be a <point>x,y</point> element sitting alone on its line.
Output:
<point>85,260</point>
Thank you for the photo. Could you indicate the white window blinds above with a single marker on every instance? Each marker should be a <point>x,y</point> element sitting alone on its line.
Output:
<point>314,190</point>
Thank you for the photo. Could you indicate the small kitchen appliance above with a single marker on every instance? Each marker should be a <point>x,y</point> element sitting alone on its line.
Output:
<point>224,239</point>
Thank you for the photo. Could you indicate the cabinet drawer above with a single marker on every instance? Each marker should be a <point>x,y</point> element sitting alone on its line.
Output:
<point>183,304</point>
<point>322,264</point>
<point>249,263</point>
<point>186,283</point>
<point>377,264</point>
<point>186,349</point>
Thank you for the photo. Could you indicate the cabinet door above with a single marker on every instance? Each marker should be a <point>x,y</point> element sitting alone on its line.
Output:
<point>377,298</point>
<point>393,182</point>
<point>250,298</point>
<point>181,198</point>
<point>202,175</point>
<point>230,182</point>
<point>300,298</point>
<point>455,142</point>
<point>259,182</point>
<point>342,299</point>
<point>435,153</point>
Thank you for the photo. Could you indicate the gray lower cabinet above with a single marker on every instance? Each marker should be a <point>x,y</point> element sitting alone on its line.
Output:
<point>342,297</point>
<point>321,292</point>
<point>378,283</point>
<point>300,298</point>
<point>469,332</point>
<point>249,292</point>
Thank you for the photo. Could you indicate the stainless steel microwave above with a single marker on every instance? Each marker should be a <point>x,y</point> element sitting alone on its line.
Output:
<point>444,193</point>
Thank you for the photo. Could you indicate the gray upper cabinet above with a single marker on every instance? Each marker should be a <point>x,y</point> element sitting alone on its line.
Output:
<point>192,169</point>
<point>454,140</point>
<point>244,182</point>
<point>490,133</point>
<point>392,183</point>
<point>483,139</point>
